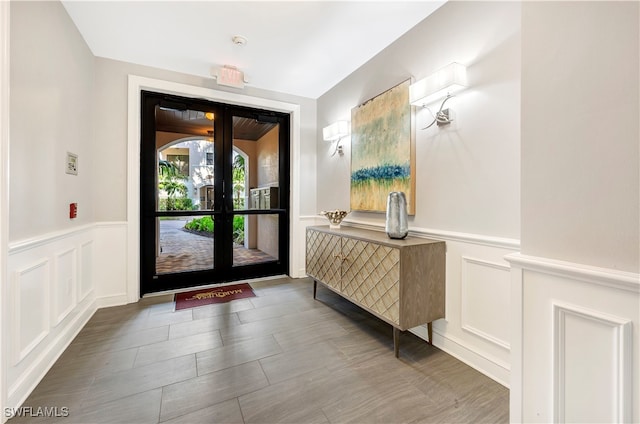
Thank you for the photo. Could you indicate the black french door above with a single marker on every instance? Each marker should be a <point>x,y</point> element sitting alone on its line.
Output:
<point>214,193</point>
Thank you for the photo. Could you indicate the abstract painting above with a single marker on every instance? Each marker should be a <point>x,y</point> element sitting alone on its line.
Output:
<point>383,150</point>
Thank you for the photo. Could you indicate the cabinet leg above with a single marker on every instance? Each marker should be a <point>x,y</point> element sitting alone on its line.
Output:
<point>315,288</point>
<point>396,342</point>
<point>430,333</point>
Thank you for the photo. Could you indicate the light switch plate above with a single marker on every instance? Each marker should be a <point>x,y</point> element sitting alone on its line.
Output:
<point>72,164</point>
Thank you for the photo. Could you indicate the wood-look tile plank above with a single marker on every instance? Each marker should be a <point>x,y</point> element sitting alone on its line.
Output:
<point>209,389</point>
<point>141,379</point>
<point>266,312</point>
<point>121,342</point>
<point>235,354</point>
<point>248,331</point>
<point>277,298</point>
<point>107,328</point>
<point>225,308</point>
<point>383,397</point>
<point>76,374</point>
<point>309,334</point>
<point>295,400</point>
<point>174,348</point>
<point>138,408</point>
<point>301,360</point>
<point>204,325</point>
<point>227,412</point>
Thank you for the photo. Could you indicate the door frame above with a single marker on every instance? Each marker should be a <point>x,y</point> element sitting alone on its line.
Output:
<point>223,268</point>
<point>135,85</point>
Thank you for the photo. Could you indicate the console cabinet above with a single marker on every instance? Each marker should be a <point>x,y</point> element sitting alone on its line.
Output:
<point>400,281</point>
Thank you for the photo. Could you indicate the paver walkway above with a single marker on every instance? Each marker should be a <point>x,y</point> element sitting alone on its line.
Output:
<point>183,251</point>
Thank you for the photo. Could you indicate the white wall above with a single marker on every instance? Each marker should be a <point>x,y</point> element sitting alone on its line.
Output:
<point>468,174</point>
<point>52,108</point>
<point>580,167</point>
<point>576,290</point>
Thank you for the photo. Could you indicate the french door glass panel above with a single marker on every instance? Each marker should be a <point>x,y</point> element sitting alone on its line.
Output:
<point>255,178</point>
<point>185,158</point>
<point>214,192</point>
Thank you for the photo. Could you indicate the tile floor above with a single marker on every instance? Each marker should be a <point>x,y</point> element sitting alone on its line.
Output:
<point>280,357</point>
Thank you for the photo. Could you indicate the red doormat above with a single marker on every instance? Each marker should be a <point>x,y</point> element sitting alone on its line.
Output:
<point>214,295</point>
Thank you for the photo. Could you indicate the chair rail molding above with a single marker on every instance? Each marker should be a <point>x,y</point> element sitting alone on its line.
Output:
<point>589,274</point>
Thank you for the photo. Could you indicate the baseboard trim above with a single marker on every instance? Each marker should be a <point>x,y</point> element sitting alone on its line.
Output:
<point>113,300</point>
<point>493,368</point>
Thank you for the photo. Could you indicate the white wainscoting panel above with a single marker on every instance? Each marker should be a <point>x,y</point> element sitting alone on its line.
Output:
<point>110,257</point>
<point>85,285</point>
<point>64,285</point>
<point>50,299</point>
<point>578,357</point>
<point>30,303</point>
<point>485,293</point>
<point>592,365</point>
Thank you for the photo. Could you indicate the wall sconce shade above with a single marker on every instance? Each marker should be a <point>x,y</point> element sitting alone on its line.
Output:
<point>336,131</point>
<point>446,81</point>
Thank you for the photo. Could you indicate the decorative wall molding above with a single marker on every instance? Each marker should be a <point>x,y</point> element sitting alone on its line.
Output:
<point>85,285</point>
<point>620,360</point>
<point>44,239</point>
<point>589,274</point>
<point>505,243</point>
<point>27,381</point>
<point>49,299</point>
<point>64,284</point>
<point>467,299</point>
<point>30,285</point>
<point>591,316</point>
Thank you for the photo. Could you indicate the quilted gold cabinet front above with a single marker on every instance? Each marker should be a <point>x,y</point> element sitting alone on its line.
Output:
<point>323,258</point>
<point>371,276</point>
<point>400,281</point>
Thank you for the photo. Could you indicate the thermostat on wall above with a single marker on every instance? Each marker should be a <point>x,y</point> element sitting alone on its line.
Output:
<point>72,164</point>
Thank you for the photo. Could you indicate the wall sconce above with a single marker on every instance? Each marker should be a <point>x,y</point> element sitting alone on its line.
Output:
<point>335,132</point>
<point>443,83</point>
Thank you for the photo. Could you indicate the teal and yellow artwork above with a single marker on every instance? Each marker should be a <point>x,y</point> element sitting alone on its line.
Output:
<point>383,150</point>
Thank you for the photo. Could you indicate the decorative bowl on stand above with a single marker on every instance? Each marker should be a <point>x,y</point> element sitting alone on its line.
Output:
<point>335,217</point>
